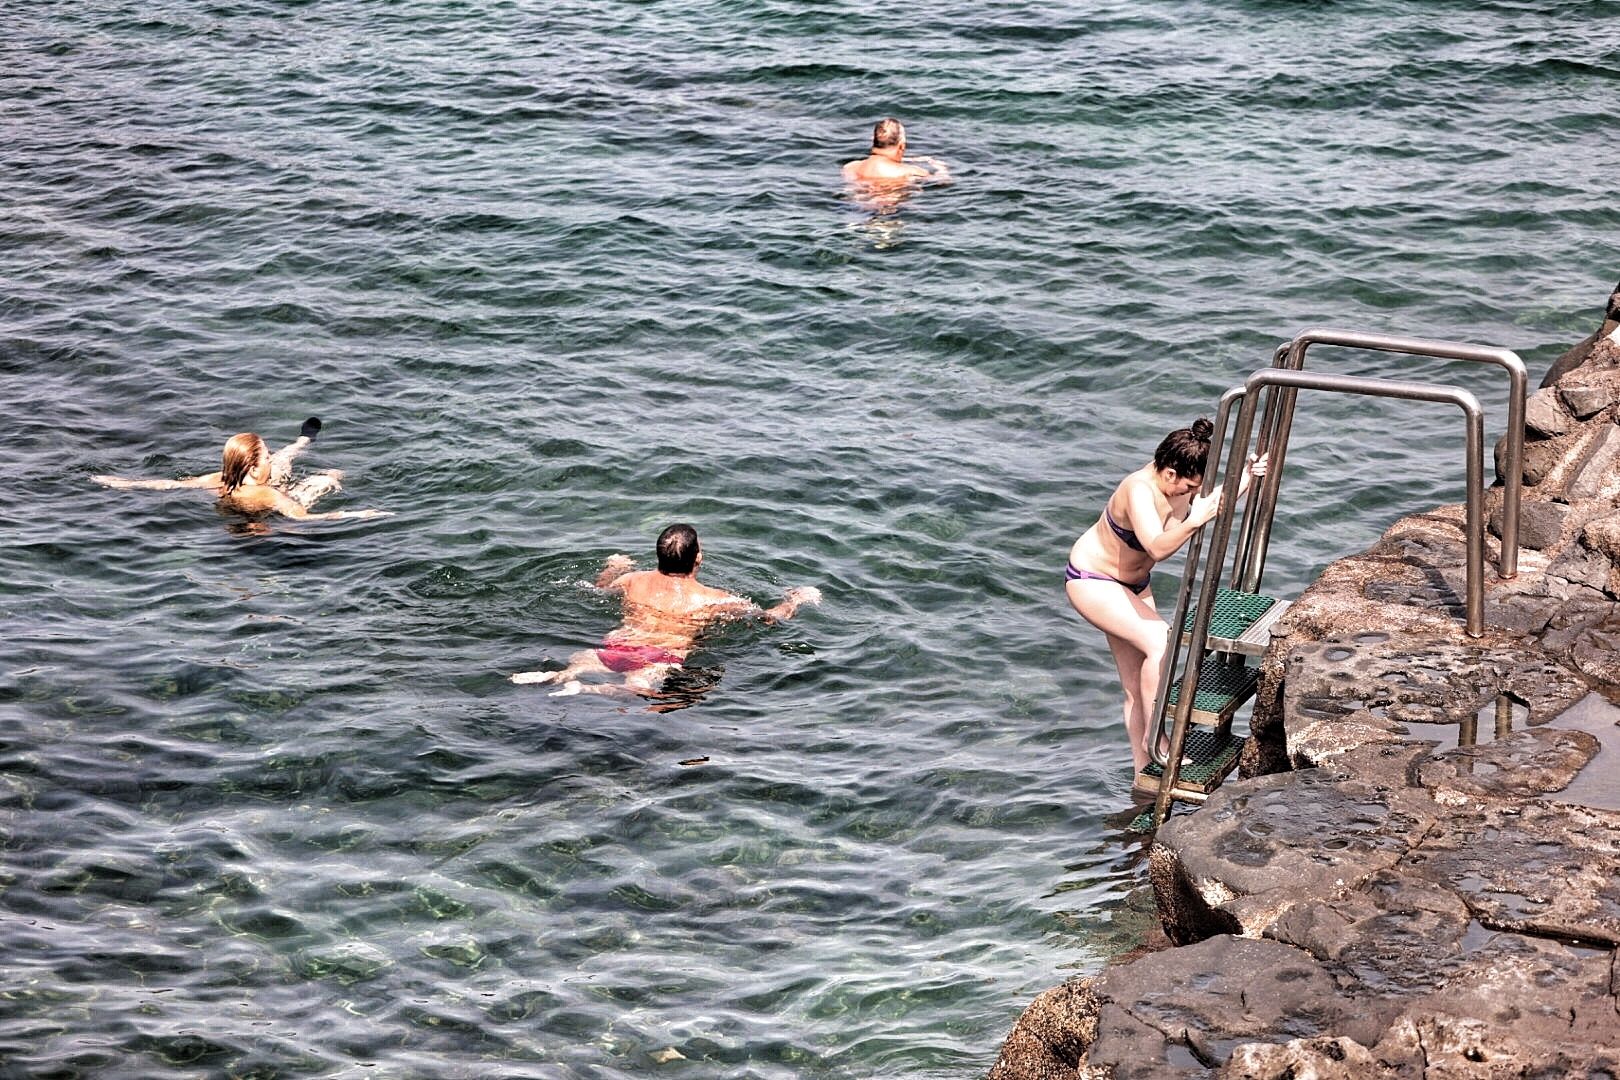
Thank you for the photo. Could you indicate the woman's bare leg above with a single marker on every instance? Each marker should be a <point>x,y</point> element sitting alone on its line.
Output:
<point>643,682</point>
<point>1138,638</point>
<point>584,662</point>
<point>1128,659</point>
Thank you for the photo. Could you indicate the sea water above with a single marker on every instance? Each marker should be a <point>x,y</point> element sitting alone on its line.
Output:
<point>557,275</point>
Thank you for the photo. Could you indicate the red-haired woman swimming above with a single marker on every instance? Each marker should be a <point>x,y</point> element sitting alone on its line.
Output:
<point>254,481</point>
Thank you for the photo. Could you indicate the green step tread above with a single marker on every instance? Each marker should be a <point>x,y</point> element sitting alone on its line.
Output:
<point>1219,685</point>
<point>1205,753</point>
<point>1234,613</point>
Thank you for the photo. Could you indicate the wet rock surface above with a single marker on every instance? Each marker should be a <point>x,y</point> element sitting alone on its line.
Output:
<point>1389,684</point>
<point>1259,844</point>
<point>1519,766</point>
<point>1419,873</point>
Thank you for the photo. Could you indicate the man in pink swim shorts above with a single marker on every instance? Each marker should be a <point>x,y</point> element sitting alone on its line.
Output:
<point>664,612</point>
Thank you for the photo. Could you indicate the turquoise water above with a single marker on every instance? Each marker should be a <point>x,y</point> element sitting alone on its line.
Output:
<point>557,275</point>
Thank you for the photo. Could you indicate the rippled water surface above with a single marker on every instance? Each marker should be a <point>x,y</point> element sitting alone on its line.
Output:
<point>556,275</point>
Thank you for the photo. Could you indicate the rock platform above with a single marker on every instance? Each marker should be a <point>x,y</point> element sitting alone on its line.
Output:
<point>1419,873</point>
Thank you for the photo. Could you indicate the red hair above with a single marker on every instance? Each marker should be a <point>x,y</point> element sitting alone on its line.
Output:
<point>242,453</point>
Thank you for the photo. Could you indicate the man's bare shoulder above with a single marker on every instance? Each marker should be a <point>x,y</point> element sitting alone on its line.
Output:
<point>638,582</point>
<point>710,597</point>
<point>885,174</point>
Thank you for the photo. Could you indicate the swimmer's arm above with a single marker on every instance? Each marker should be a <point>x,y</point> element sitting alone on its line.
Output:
<point>936,170</point>
<point>1256,467</point>
<point>613,570</point>
<point>792,600</point>
<point>295,509</point>
<point>123,483</point>
<point>1163,540</point>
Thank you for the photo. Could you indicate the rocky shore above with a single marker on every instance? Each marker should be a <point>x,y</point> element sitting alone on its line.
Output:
<point>1419,873</point>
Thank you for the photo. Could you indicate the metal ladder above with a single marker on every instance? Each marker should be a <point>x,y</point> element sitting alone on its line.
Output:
<point>1230,624</point>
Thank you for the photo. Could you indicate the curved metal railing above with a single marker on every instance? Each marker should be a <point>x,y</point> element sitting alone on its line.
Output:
<point>1279,416</point>
<point>1288,382</point>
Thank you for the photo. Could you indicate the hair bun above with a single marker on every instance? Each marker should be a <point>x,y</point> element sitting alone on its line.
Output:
<point>1202,429</point>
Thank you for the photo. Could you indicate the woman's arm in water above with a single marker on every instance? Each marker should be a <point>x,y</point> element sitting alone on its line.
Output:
<point>281,461</point>
<point>294,509</point>
<point>124,483</point>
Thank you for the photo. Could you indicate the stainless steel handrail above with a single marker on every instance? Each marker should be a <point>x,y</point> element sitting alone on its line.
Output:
<point>1295,380</point>
<point>1256,538</point>
<point>1269,425</point>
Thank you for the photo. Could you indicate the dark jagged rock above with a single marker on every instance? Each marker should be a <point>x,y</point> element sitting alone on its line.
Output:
<point>1541,524</point>
<point>1419,875</point>
<point>1596,651</point>
<point>1523,615</point>
<point>1540,458</point>
<point>1603,534</point>
<point>1259,845</point>
<point>1595,474</point>
<point>1543,415</point>
<point>1578,355</point>
<point>1590,396</point>
<point>1581,565</point>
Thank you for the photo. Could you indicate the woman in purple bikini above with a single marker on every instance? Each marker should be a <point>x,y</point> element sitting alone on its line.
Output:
<point>1149,516</point>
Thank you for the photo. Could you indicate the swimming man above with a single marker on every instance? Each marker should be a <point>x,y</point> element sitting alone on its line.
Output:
<point>664,612</point>
<point>885,165</point>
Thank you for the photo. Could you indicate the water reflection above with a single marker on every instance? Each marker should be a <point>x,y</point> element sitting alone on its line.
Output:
<point>252,526</point>
<point>685,687</point>
<point>884,226</point>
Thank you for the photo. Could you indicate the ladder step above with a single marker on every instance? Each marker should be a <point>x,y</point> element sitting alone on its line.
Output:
<point>1210,757</point>
<point>1241,622</point>
<point>1222,690</point>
